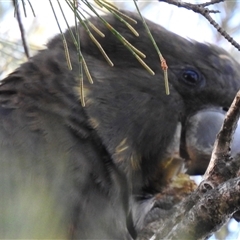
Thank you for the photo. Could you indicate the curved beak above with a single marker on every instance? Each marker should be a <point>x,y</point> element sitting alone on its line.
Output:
<point>200,134</point>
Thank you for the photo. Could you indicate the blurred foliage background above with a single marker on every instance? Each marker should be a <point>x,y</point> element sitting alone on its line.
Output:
<point>41,28</point>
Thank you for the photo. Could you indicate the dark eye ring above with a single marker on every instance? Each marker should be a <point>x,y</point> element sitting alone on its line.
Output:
<point>191,77</point>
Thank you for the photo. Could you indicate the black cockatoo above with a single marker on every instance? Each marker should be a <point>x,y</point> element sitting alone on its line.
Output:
<point>69,171</point>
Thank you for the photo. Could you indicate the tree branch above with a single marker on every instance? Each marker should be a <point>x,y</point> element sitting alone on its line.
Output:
<point>221,166</point>
<point>205,12</point>
<point>216,199</point>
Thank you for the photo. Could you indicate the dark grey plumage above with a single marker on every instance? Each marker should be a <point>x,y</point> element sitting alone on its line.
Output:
<point>87,165</point>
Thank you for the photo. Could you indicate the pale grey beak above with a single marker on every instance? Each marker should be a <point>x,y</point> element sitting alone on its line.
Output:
<point>200,134</point>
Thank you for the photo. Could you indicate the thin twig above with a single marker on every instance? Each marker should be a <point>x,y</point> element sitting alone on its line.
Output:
<point>22,31</point>
<point>205,12</point>
<point>221,151</point>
